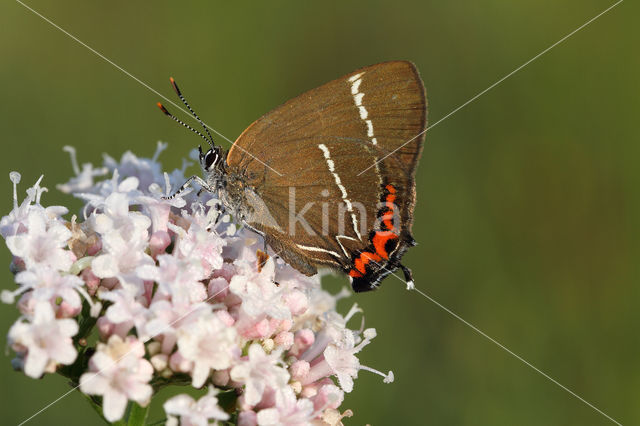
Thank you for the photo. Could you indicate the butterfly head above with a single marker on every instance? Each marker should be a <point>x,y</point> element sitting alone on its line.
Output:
<point>211,161</point>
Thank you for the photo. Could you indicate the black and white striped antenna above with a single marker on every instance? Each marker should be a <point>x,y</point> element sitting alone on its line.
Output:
<point>209,139</point>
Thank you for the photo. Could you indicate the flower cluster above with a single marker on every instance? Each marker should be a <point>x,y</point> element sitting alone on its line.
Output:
<point>172,293</point>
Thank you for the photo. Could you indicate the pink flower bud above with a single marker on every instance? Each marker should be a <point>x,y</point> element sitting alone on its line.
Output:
<point>168,343</point>
<point>242,403</point>
<point>247,418</point>
<point>218,289</point>
<point>26,304</point>
<point>94,248</point>
<point>65,310</point>
<point>220,377</point>
<point>309,391</point>
<point>284,339</point>
<point>105,327</point>
<point>17,265</point>
<point>285,325</point>
<point>302,341</point>
<point>225,317</point>
<point>256,330</point>
<point>159,362</point>
<point>274,325</point>
<point>297,302</point>
<point>158,242</point>
<point>91,281</point>
<point>148,291</point>
<point>227,272</point>
<point>299,370</point>
<point>179,364</point>
<point>328,396</point>
<point>109,283</point>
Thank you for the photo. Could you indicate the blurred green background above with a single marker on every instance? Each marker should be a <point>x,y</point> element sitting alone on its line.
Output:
<point>528,214</point>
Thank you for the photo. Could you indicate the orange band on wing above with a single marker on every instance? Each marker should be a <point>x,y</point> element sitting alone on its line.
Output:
<point>380,240</point>
<point>367,256</point>
<point>355,274</point>
<point>364,258</point>
<point>387,221</point>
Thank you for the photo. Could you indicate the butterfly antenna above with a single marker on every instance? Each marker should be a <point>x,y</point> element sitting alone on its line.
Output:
<point>176,119</point>
<point>184,101</point>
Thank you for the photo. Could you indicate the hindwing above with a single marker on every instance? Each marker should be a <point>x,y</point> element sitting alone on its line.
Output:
<point>336,172</point>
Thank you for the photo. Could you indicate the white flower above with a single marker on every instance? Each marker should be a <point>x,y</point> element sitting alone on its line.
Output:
<point>195,413</point>
<point>118,373</point>
<point>259,293</point>
<point>177,278</point>
<point>128,225</point>
<point>343,362</point>
<point>47,284</point>
<point>164,318</point>
<point>159,210</point>
<point>288,410</point>
<point>152,262</point>
<point>146,170</point>
<point>340,360</point>
<point>125,309</point>
<point>83,180</point>
<point>333,331</point>
<point>11,223</point>
<point>45,339</point>
<point>198,243</point>
<point>121,259</point>
<point>259,372</point>
<point>43,242</point>
<point>322,304</point>
<point>97,195</point>
<point>209,343</point>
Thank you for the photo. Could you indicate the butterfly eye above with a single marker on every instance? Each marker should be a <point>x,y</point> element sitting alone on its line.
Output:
<point>210,159</point>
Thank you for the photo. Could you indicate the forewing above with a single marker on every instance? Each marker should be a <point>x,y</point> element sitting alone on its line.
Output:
<point>317,147</point>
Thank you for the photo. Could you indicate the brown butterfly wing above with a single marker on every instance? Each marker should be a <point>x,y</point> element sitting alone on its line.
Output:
<point>322,145</point>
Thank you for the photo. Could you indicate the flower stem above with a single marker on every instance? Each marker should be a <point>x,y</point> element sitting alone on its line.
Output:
<point>135,415</point>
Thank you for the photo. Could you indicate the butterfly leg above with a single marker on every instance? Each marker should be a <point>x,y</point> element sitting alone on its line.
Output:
<point>262,255</point>
<point>220,210</point>
<point>264,238</point>
<point>262,234</point>
<point>204,185</point>
<point>408,277</point>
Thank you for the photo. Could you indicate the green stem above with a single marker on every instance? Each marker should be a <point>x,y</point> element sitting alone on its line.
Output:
<point>134,416</point>
<point>137,414</point>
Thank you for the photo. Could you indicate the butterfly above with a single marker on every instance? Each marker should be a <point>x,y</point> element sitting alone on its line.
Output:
<point>328,177</point>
